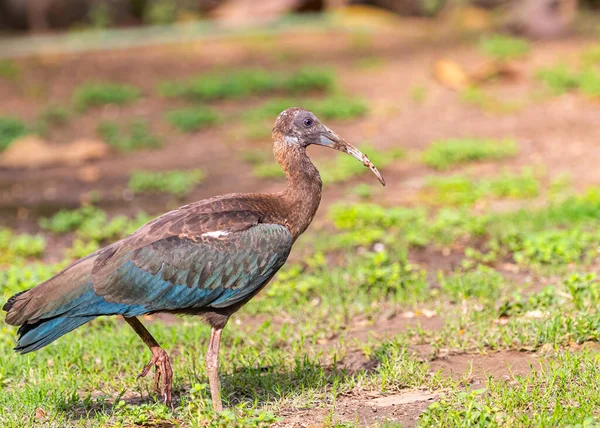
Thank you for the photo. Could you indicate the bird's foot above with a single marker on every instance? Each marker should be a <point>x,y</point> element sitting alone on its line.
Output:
<point>163,370</point>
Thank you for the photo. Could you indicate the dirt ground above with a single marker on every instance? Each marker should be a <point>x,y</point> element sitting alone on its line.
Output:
<point>560,134</point>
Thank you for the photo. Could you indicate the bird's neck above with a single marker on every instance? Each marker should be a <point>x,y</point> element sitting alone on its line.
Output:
<point>302,195</point>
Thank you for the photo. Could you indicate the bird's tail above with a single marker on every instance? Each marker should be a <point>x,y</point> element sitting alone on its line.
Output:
<point>37,335</point>
<point>55,307</point>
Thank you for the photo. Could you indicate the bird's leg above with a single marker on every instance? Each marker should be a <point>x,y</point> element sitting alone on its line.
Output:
<point>212,366</point>
<point>160,360</point>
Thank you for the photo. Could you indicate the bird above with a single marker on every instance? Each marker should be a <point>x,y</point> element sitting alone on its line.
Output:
<point>207,258</point>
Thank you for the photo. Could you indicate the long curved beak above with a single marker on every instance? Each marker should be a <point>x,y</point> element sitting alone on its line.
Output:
<point>332,140</point>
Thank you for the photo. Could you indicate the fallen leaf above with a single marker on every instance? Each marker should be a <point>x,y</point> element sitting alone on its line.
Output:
<point>451,74</point>
<point>40,413</point>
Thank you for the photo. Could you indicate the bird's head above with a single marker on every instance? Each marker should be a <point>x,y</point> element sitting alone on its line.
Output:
<point>297,127</point>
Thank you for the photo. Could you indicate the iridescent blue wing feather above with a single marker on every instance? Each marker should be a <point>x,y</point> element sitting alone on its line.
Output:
<point>212,270</point>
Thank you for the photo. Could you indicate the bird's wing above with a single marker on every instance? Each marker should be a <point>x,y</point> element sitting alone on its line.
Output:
<point>211,261</point>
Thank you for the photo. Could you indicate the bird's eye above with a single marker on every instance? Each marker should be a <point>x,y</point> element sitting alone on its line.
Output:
<point>308,122</point>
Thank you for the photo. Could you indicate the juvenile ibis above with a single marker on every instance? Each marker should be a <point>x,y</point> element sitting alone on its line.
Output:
<point>207,258</point>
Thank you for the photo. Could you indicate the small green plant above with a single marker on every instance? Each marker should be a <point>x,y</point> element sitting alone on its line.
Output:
<point>589,82</point>
<point>369,63</point>
<point>11,128</point>
<point>268,170</point>
<point>174,182</point>
<point>160,12</point>
<point>9,70</point>
<point>136,135</point>
<point>246,82</point>
<point>476,96</point>
<point>338,108</point>
<point>464,190</point>
<point>69,220</point>
<point>504,48</point>
<point>591,57</point>
<point>523,185</point>
<point>445,154</point>
<point>100,16</point>
<point>559,79</point>
<point>418,94</point>
<point>363,191</point>
<point>56,115</point>
<point>482,283</point>
<point>13,247</point>
<point>309,79</point>
<point>92,224</point>
<point>192,119</point>
<point>453,190</point>
<point>94,94</point>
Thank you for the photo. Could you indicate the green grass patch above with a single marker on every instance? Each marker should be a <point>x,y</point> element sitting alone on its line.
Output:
<point>445,154</point>
<point>544,397</point>
<point>192,119</point>
<point>14,247</point>
<point>9,70</point>
<point>93,94</point>
<point>135,135</point>
<point>92,224</point>
<point>478,97</point>
<point>55,115</point>
<point>465,190</point>
<point>589,82</point>
<point>504,48</point>
<point>591,56</point>
<point>559,79</point>
<point>11,128</point>
<point>418,94</point>
<point>246,82</point>
<point>174,182</point>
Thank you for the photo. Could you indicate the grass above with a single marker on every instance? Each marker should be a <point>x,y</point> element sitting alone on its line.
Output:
<point>192,119</point>
<point>15,247</point>
<point>418,94</point>
<point>445,154</point>
<point>91,224</point>
<point>176,182</point>
<point>94,94</point>
<point>560,79</point>
<point>135,135</point>
<point>247,82</point>
<point>464,190</point>
<point>503,48</point>
<point>9,70</point>
<point>478,97</point>
<point>11,128</point>
<point>358,266</point>
<point>56,115</point>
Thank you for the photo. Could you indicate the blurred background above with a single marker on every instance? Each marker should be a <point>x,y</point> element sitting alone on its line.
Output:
<point>143,105</point>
